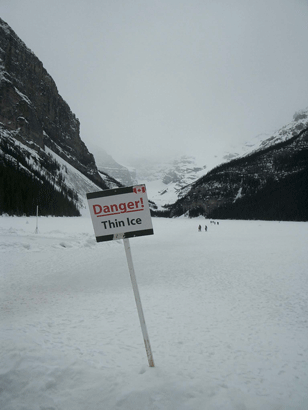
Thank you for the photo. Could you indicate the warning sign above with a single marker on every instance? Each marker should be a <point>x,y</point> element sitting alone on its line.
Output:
<point>120,213</point>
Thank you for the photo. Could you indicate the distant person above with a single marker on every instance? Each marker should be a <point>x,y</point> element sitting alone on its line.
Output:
<point>205,228</point>
<point>199,228</point>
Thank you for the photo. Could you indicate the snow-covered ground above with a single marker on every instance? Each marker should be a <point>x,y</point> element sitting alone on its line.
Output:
<point>226,312</point>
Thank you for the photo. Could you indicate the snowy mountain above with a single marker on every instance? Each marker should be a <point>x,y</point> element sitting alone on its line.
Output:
<point>263,141</point>
<point>175,185</point>
<point>44,161</point>
<point>30,178</point>
<point>42,157</point>
<point>166,180</point>
<point>169,181</point>
<point>269,182</point>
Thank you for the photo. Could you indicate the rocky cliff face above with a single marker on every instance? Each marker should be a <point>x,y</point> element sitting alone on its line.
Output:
<point>31,107</point>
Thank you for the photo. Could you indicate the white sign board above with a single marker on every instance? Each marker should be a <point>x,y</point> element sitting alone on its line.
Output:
<point>120,213</point>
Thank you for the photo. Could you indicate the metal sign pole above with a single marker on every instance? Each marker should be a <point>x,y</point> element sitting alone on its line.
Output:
<point>138,302</point>
<point>36,229</point>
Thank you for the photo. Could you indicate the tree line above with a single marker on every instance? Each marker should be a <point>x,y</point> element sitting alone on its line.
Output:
<point>286,200</point>
<point>24,187</point>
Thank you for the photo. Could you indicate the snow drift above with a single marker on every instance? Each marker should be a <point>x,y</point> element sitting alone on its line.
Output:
<point>226,312</point>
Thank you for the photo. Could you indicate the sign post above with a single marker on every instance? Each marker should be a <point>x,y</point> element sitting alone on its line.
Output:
<point>138,302</point>
<point>123,213</point>
<point>36,229</point>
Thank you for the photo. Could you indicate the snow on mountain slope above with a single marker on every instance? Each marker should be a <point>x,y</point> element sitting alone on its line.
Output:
<point>169,180</point>
<point>166,190</point>
<point>165,179</point>
<point>49,164</point>
<point>265,140</point>
<point>74,179</point>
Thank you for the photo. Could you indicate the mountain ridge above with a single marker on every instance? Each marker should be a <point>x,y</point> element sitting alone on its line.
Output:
<point>40,141</point>
<point>245,187</point>
<point>36,121</point>
<point>161,187</point>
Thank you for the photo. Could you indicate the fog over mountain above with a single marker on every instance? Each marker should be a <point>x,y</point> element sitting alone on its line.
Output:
<point>44,161</point>
<point>170,78</point>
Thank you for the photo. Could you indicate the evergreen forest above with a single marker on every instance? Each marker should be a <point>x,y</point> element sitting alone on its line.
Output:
<point>23,186</point>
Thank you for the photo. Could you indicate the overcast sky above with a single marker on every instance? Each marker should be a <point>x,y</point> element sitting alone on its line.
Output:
<point>147,77</point>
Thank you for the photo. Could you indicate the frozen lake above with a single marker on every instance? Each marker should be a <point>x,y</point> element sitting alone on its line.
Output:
<point>226,312</point>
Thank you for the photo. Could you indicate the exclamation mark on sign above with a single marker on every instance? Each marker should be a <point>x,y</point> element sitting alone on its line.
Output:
<point>141,201</point>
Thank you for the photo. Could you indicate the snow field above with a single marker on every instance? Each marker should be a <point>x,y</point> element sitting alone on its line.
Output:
<point>226,311</point>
